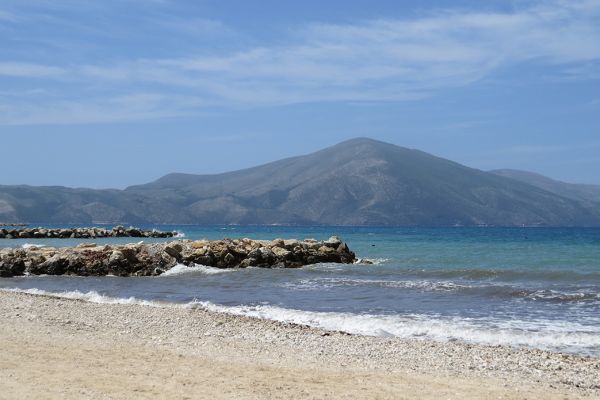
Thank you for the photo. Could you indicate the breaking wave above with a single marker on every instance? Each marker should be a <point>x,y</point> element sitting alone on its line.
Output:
<point>181,269</point>
<point>487,289</point>
<point>542,334</point>
<point>91,296</point>
<point>31,245</point>
<point>324,283</point>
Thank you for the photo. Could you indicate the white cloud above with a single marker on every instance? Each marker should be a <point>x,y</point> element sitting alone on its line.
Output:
<point>26,70</point>
<point>130,107</point>
<point>383,59</point>
<point>195,26</point>
<point>7,16</point>
<point>380,60</point>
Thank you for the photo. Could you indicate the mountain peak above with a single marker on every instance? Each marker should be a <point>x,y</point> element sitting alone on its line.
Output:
<point>363,140</point>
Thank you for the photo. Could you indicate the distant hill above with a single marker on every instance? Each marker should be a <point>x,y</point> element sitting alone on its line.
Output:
<point>581,192</point>
<point>357,182</point>
<point>57,204</point>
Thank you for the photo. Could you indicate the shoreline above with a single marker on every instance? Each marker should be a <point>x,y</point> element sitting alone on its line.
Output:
<point>257,358</point>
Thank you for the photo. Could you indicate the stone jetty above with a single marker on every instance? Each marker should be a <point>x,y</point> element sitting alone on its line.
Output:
<point>82,233</point>
<point>150,259</point>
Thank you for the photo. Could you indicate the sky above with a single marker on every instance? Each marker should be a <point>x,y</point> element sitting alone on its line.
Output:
<point>119,92</point>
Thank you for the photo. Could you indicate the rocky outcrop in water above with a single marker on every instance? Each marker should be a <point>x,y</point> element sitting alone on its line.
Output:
<point>154,259</point>
<point>82,233</point>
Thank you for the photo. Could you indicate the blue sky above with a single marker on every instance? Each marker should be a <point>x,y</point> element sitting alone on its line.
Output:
<point>114,93</point>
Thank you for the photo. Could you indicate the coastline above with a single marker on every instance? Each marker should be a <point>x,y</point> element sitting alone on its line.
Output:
<point>56,347</point>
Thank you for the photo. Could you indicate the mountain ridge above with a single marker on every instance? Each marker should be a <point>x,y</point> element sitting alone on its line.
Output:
<point>357,182</point>
<point>577,191</point>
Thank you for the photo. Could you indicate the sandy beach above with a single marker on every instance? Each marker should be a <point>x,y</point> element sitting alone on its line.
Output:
<point>63,348</point>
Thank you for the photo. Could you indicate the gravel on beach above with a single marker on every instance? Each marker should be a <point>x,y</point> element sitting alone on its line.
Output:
<point>192,330</point>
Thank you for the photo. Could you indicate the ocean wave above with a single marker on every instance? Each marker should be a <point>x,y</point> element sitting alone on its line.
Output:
<point>542,334</point>
<point>181,269</point>
<point>31,245</point>
<point>311,284</point>
<point>482,289</point>
<point>374,261</point>
<point>548,335</point>
<point>546,295</point>
<point>557,295</point>
<point>502,274</point>
<point>92,296</point>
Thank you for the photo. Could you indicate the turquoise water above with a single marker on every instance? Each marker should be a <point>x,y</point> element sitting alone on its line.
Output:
<point>536,287</point>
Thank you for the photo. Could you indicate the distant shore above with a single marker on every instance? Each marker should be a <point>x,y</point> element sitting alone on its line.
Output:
<point>54,347</point>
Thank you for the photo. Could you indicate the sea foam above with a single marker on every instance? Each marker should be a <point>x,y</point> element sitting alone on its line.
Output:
<point>181,269</point>
<point>31,245</point>
<point>324,283</point>
<point>541,334</point>
<point>92,296</point>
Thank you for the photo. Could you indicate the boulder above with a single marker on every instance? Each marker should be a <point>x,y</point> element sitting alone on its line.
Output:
<point>291,244</point>
<point>116,258</point>
<point>266,254</point>
<point>174,249</point>
<point>248,262</point>
<point>229,259</point>
<point>166,262</point>
<point>333,241</point>
<point>278,243</point>
<point>326,249</point>
<point>55,265</point>
<point>11,267</point>
<point>281,253</point>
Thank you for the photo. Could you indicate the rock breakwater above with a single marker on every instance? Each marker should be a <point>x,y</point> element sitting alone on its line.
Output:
<point>156,258</point>
<point>81,233</point>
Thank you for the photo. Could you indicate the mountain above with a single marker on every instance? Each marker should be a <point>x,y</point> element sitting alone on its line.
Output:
<point>580,192</point>
<point>357,182</point>
<point>57,204</point>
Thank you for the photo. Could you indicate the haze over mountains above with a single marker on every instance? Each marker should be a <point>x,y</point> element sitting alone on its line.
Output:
<point>357,182</point>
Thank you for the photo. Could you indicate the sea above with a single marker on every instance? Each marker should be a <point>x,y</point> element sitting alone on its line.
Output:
<point>522,287</point>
